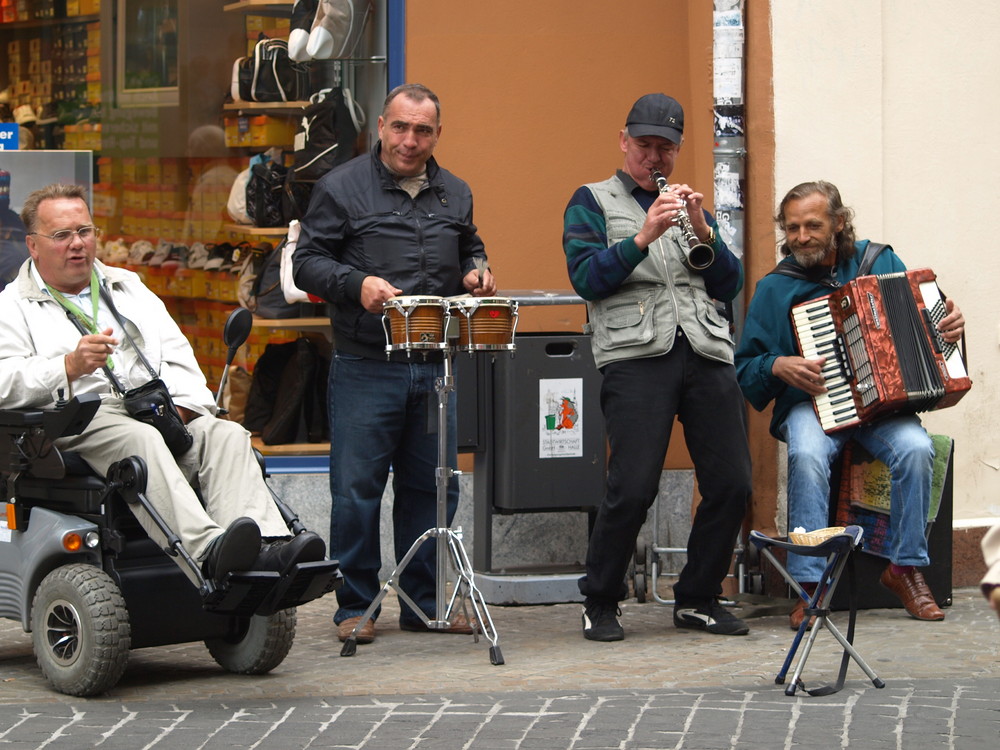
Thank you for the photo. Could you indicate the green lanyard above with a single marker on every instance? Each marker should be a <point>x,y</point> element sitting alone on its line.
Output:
<point>90,325</point>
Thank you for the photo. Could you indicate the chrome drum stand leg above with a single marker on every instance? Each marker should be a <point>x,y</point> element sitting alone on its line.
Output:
<point>449,547</point>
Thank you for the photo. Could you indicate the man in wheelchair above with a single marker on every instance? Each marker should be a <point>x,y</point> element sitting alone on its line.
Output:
<point>42,354</point>
<point>74,330</point>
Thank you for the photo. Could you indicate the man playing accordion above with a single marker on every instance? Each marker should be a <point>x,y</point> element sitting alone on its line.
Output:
<point>821,251</point>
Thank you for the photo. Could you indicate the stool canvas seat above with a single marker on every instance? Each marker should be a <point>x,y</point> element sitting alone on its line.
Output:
<point>837,550</point>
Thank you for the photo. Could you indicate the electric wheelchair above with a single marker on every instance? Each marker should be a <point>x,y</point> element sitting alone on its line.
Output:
<point>89,584</point>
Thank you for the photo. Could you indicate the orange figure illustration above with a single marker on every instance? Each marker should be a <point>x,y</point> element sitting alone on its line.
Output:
<point>567,414</point>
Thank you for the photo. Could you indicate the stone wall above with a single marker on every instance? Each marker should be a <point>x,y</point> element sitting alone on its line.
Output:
<point>542,540</point>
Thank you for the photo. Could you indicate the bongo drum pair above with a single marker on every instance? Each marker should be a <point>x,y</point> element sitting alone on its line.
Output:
<point>421,323</point>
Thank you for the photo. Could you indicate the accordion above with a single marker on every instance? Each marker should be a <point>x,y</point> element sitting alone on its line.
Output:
<point>884,354</point>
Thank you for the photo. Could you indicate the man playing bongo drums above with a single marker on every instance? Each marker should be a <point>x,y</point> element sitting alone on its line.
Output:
<point>388,223</point>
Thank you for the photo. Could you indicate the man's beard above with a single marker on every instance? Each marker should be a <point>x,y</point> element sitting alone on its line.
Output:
<point>807,257</point>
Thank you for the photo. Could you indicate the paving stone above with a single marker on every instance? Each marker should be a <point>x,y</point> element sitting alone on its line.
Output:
<point>659,688</point>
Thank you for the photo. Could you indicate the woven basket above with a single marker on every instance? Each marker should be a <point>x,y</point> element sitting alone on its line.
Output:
<point>812,538</point>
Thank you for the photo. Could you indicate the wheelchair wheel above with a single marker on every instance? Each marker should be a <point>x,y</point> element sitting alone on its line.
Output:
<point>80,630</point>
<point>259,644</point>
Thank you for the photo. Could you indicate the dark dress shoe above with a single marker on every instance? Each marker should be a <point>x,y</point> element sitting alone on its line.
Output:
<point>913,591</point>
<point>283,554</point>
<point>236,548</point>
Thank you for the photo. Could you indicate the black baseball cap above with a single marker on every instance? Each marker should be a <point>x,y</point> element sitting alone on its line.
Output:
<point>656,114</point>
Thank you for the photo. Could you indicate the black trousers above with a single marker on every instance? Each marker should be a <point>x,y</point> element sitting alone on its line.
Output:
<point>640,398</point>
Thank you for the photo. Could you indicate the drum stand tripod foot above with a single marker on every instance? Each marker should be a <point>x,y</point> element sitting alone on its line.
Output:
<point>449,547</point>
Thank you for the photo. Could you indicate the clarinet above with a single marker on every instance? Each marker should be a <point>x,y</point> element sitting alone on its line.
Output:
<point>697,255</point>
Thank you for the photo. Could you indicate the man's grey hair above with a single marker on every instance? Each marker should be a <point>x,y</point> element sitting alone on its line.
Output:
<point>29,212</point>
<point>415,91</point>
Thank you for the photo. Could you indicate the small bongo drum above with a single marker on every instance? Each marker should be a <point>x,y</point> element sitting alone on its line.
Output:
<point>485,323</point>
<point>415,322</point>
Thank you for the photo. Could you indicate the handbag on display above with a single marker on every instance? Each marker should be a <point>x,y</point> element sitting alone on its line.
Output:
<point>265,193</point>
<point>269,74</point>
<point>259,286</point>
<point>326,137</point>
<point>327,133</point>
<point>236,205</point>
<point>287,398</point>
<point>287,247</point>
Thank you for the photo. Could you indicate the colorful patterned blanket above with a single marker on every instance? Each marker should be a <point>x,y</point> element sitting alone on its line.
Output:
<point>864,492</point>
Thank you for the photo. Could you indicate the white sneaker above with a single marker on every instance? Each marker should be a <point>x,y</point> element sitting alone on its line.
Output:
<point>160,254</point>
<point>177,258</point>
<point>116,253</point>
<point>140,252</point>
<point>197,255</point>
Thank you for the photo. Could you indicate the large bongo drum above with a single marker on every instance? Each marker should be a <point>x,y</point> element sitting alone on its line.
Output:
<point>485,323</point>
<point>415,323</point>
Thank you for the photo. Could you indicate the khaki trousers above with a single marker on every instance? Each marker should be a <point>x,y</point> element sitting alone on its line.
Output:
<point>221,464</point>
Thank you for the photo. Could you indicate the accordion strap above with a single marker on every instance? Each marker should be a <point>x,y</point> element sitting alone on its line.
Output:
<point>871,253</point>
<point>868,259</point>
<point>798,272</point>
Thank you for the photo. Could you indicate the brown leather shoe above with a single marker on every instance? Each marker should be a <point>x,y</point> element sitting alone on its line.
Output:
<point>365,635</point>
<point>459,624</point>
<point>912,590</point>
<point>798,614</point>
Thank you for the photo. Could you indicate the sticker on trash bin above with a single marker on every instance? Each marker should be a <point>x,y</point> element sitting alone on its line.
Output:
<point>560,407</point>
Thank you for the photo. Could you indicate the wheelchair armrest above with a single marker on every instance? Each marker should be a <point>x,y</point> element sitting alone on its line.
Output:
<point>15,420</point>
<point>26,435</point>
<point>69,419</point>
<point>73,417</point>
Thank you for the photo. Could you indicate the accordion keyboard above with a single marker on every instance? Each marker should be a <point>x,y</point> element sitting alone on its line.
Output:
<point>818,338</point>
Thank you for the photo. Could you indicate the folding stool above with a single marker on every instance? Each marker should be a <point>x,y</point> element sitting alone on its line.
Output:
<point>837,549</point>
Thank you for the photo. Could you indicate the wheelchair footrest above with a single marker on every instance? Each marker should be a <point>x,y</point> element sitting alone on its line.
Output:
<point>241,593</point>
<point>265,592</point>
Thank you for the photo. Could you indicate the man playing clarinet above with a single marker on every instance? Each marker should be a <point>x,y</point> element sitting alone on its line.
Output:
<point>648,260</point>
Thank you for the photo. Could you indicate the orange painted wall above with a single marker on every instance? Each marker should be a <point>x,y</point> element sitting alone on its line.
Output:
<point>534,94</point>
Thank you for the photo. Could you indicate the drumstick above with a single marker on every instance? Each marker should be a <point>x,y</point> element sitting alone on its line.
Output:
<point>481,266</point>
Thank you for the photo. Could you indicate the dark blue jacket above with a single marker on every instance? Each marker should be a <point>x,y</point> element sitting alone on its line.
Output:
<point>360,223</point>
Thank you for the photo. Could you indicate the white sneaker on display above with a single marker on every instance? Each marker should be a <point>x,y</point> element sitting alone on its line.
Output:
<point>197,255</point>
<point>160,254</point>
<point>140,252</point>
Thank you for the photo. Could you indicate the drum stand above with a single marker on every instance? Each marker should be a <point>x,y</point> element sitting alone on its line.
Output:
<point>449,546</point>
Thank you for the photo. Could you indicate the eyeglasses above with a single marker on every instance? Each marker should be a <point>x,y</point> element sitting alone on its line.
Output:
<point>65,236</point>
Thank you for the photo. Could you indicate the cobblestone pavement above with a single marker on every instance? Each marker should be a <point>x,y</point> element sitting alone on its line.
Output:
<point>660,688</point>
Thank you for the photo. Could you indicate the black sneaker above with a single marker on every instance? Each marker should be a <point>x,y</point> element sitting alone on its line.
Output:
<point>220,257</point>
<point>600,622</point>
<point>711,617</point>
<point>281,555</point>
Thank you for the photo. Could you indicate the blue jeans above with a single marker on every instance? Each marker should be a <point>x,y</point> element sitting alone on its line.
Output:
<point>900,442</point>
<point>384,415</point>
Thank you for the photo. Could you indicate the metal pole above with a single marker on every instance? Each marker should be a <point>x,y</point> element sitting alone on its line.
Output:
<point>444,385</point>
<point>730,132</point>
